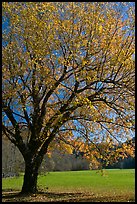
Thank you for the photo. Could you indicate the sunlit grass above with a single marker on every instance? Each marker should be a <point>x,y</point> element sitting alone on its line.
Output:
<point>113,182</point>
<point>116,181</point>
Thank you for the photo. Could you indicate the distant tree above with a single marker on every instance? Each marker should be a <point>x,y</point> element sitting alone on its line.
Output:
<point>12,160</point>
<point>68,72</point>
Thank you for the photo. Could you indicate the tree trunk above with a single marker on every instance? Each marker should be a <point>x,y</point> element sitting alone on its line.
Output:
<point>32,165</point>
<point>30,177</point>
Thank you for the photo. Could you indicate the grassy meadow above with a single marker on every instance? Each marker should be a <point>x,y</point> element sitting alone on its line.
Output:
<point>113,184</point>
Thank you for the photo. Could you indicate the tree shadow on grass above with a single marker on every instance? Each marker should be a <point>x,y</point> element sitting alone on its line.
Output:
<point>42,196</point>
<point>49,196</point>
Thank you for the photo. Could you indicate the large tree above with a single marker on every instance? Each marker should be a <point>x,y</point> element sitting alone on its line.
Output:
<point>68,72</point>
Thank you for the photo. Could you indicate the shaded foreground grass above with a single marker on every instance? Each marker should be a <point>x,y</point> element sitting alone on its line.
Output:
<point>114,185</point>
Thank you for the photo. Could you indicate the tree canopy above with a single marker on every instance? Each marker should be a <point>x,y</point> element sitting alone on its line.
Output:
<point>68,75</point>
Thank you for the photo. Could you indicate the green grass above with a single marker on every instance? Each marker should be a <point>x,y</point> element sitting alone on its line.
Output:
<point>116,182</point>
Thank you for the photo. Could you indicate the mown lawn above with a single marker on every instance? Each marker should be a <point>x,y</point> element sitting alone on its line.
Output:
<point>116,183</point>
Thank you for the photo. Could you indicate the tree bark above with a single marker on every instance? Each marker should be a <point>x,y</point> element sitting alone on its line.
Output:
<point>30,176</point>
<point>30,180</point>
<point>33,158</point>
